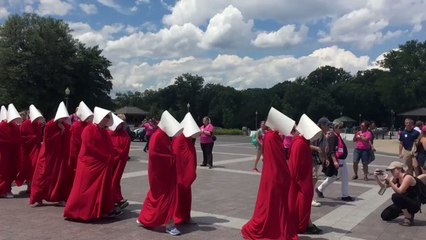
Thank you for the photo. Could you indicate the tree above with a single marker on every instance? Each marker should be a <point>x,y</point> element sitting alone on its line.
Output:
<point>39,59</point>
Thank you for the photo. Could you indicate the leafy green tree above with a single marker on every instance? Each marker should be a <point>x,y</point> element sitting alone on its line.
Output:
<point>39,59</point>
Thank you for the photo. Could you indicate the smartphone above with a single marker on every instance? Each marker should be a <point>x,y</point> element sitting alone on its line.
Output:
<point>382,190</point>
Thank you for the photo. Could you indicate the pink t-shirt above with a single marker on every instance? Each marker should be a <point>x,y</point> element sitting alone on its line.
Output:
<point>288,141</point>
<point>361,145</point>
<point>204,138</point>
<point>149,129</point>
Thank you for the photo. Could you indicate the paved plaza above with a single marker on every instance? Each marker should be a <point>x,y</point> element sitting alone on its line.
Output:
<point>223,201</point>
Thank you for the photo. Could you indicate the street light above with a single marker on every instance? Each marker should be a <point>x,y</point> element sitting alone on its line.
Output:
<point>360,119</point>
<point>67,93</point>
<point>255,121</point>
<point>392,123</point>
<point>341,113</point>
<point>188,105</point>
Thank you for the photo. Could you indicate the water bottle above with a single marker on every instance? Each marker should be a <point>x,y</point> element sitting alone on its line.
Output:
<point>382,190</point>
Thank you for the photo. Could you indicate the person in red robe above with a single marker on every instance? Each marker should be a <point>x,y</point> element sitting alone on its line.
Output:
<point>91,195</point>
<point>159,206</point>
<point>300,164</point>
<point>85,117</point>
<point>9,150</point>
<point>186,166</point>
<point>31,136</point>
<point>51,178</point>
<point>121,142</point>
<point>271,218</point>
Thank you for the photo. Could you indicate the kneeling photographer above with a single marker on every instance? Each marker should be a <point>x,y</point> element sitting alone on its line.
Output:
<point>405,199</point>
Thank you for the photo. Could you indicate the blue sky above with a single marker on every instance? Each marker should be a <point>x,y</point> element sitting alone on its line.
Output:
<point>239,43</point>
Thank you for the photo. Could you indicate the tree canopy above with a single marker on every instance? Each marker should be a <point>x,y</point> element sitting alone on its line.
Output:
<point>39,59</point>
<point>373,94</point>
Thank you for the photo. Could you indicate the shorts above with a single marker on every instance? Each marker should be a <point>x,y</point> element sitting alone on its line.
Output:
<point>363,155</point>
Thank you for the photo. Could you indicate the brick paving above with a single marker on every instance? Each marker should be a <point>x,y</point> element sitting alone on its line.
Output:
<point>223,200</point>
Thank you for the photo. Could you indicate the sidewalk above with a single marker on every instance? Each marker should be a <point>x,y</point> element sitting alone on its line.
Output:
<point>387,146</point>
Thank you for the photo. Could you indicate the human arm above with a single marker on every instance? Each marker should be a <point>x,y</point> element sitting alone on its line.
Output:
<point>332,146</point>
<point>407,181</point>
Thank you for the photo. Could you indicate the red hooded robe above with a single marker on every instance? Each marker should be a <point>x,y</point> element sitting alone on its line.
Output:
<point>271,218</point>
<point>76,131</point>
<point>186,165</point>
<point>302,188</point>
<point>51,179</point>
<point>9,155</point>
<point>91,196</point>
<point>121,142</point>
<point>159,205</point>
<point>31,136</point>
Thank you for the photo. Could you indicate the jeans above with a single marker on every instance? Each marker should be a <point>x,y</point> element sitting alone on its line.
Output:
<point>363,155</point>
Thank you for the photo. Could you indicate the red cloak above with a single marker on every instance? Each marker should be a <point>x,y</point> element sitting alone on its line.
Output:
<point>31,137</point>
<point>9,155</point>
<point>159,205</point>
<point>121,142</point>
<point>91,195</point>
<point>271,218</point>
<point>76,130</point>
<point>51,179</point>
<point>186,166</point>
<point>302,187</point>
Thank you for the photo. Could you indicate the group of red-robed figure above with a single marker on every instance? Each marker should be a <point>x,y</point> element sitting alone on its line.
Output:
<point>283,207</point>
<point>80,165</point>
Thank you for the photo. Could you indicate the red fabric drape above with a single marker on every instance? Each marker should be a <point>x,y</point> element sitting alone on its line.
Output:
<point>51,180</point>
<point>31,137</point>
<point>271,218</point>
<point>302,188</point>
<point>159,205</point>
<point>121,142</point>
<point>75,144</point>
<point>9,155</point>
<point>91,196</point>
<point>186,165</point>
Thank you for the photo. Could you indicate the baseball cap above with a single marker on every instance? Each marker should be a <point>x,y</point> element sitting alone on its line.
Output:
<point>394,164</point>
<point>324,121</point>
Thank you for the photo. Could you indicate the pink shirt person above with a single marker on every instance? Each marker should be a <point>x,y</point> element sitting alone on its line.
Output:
<point>364,145</point>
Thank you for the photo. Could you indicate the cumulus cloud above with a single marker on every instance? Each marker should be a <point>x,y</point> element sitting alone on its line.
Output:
<point>54,7</point>
<point>112,4</point>
<point>3,13</point>
<point>227,30</point>
<point>232,70</point>
<point>284,37</point>
<point>88,8</point>
<point>87,35</point>
<point>175,41</point>
<point>200,11</point>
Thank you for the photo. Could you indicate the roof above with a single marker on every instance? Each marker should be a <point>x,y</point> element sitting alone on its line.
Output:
<point>414,112</point>
<point>131,110</point>
<point>344,119</point>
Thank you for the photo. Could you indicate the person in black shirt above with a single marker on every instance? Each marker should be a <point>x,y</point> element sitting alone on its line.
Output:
<point>405,199</point>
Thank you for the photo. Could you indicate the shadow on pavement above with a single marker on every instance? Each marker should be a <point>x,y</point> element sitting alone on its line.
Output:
<point>208,220</point>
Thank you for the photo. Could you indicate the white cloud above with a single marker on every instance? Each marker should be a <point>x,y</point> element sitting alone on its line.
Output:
<point>91,37</point>
<point>175,41</point>
<point>4,13</point>
<point>227,30</point>
<point>200,11</point>
<point>112,4</point>
<point>284,37</point>
<point>231,70</point>
<point>88,8</point>
<point>54,7</point>
<point>140,2</point>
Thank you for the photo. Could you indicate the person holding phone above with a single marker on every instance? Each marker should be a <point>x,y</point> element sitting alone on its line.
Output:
<point>405,200</point>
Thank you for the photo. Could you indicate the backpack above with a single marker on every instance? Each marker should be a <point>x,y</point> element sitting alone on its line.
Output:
<point>421,190</point>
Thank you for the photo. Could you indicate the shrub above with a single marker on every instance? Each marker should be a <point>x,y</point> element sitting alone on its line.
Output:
<point>224,131</point>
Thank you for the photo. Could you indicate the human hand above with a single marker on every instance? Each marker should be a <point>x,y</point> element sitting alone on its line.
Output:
<point>401,155</point>
<point>336,165</point>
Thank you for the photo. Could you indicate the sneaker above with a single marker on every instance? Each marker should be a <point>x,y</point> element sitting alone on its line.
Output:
<point>313,230</point>
<point>61,204</point>
<point>115,213</point>
<point>123,205</point>
<point>319,193</point>
<point>9,195</point>
<point>355,177</point>
<point>173,231</point>
<point>347,199</point>
<point>37,204</point>
<point>203,165</point>
<point>315,204</point>
<point>210,166</point>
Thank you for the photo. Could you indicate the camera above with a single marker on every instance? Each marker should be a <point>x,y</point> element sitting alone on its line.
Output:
<point>379,172</point>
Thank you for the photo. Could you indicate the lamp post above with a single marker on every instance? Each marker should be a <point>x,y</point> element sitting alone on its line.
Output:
<point>188,105</point>
<point>341,114</point>
<point>67,94</point>
<point>255,121</point>
<point>360,119</point>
